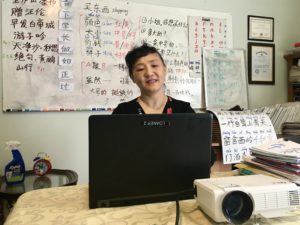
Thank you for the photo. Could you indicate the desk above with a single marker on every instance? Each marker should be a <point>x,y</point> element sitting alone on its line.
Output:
<point>10,193</point>
<point>69,206</point>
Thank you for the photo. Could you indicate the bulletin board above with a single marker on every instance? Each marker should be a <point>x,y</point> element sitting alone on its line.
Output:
<point>69,55</point>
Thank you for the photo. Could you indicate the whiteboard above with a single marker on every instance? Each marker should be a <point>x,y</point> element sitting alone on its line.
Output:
<point>69,55</point>
<point>225,80</point>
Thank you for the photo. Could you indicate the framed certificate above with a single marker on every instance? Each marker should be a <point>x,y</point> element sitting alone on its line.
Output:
<point>260,28</point>
<point>261,63</point>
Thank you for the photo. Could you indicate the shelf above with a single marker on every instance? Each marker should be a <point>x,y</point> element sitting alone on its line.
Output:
<point>295,53</point>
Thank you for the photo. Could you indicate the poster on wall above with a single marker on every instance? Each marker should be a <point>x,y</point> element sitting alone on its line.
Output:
<point>225,78</point>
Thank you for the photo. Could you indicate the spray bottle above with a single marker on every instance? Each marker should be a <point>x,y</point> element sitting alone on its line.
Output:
<point>15,169</point>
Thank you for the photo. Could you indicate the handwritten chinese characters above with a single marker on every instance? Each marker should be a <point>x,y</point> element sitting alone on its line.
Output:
<point>108,32</point>
<point>65,48</point>
<point>240,131</point>
<point>31,24</point>
<point>65,54</point>
<point>225,78</point>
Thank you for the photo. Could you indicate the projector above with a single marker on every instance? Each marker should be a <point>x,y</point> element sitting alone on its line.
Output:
<point>238,198</point>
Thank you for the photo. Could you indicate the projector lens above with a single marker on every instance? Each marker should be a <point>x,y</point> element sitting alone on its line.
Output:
<point>237,207</point>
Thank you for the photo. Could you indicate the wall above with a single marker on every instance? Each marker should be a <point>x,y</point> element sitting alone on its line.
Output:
<point>64,136</point>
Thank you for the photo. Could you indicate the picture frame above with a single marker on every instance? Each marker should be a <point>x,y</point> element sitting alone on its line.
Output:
<point>261,63</point>
<point>260,28</point>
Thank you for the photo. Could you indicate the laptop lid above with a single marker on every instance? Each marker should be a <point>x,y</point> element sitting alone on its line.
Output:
<point>137,159</point>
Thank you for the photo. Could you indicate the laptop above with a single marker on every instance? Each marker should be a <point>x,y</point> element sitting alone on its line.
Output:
<point>139,159</point>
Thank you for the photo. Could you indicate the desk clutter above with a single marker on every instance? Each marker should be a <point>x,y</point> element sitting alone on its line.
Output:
<point>284,118</point>
<point>248,141</point>
<point>17,180</point>
<point>280,157</point>
<point>14,171</point>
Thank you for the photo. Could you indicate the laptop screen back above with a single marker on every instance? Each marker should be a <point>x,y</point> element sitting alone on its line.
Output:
<point>137,159</point>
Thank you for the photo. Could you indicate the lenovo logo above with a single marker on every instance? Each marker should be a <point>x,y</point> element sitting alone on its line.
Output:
<point>153,123</point>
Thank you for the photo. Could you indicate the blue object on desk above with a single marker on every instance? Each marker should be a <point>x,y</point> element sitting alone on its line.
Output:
<point>245,172</point>
<point>15,169</point>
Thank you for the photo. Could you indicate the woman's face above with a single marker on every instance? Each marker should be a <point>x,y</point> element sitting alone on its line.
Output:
<point>149,73</point>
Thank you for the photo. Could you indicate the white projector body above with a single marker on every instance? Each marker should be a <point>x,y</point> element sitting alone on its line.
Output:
<point>271,197</point>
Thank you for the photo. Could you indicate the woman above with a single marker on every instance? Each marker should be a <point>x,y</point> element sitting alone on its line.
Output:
<point>147,70</point>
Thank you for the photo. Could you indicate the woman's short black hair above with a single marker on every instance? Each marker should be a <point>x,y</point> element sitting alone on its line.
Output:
<point>137,52</point>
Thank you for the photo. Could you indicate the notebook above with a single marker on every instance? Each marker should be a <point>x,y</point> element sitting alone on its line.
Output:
<point>138,159</point>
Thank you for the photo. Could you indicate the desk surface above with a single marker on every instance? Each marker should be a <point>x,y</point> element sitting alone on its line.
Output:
<point>69,206</point>
<point>54,178</point>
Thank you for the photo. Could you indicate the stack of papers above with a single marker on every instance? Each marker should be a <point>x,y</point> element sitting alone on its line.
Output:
<point>281,157</point>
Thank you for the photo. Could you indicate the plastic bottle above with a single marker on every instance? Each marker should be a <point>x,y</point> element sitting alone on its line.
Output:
<point>15,169</point>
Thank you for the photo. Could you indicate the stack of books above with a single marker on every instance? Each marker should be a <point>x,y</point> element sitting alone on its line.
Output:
<point>296,90</point>
<point>280,113</point>
<point>294,74</point>
<point>291,128</point>
<point>280,157</point>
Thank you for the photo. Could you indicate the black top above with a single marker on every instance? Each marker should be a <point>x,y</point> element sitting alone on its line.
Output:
<point>172,106</point>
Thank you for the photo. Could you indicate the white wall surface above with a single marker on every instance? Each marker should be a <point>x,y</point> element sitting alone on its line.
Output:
<point>64,135</point>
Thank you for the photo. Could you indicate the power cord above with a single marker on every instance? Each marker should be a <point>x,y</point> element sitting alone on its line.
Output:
<point>177,213</point>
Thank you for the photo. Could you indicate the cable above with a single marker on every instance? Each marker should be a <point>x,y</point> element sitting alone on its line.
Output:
<point>177,213</point>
